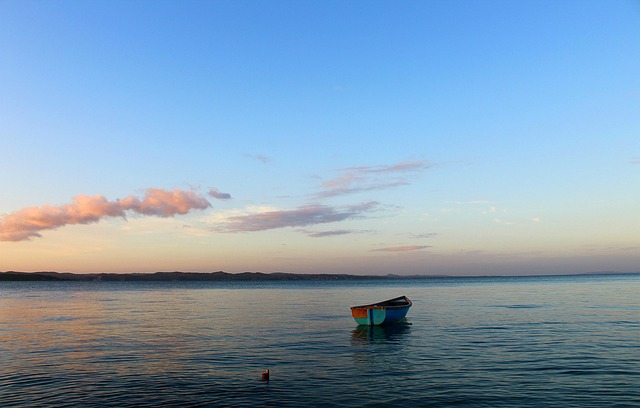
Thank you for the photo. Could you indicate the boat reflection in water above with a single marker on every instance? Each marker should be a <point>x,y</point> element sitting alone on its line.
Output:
<point>393,333</point>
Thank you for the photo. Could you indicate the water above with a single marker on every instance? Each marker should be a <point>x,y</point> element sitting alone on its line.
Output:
<point>470,342</point>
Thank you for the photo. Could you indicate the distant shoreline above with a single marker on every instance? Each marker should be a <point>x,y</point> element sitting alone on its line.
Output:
<point>13,276</point>
<point>183,276</point>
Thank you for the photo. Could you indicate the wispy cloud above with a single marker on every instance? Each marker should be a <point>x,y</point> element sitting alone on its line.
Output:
<point>630,248</point>
<point>367,178</point>
<point>425,235</point>
<point>472,203</point>
<point>259,157</point>
<point>26,223</point>
<point>322,234</point>
<point>635,160</point>
<point>404,248</point>
<point>213,192</point>
<point>298,217</point>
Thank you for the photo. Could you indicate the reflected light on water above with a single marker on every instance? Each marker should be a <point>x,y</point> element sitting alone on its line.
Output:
<point>394,333</point>
<point>465,342</point>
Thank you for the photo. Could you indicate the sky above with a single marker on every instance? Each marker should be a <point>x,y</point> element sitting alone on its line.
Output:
<point>362,137</point>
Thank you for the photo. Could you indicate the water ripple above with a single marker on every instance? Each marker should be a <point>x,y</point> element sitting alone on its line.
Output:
<point>538,343</point>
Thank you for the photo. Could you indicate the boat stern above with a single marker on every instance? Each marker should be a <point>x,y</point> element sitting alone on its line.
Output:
<point>368,315</point>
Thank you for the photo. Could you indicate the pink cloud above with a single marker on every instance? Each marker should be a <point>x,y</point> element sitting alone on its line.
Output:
<point>396,168</point>
<point>299,217</point>
<point>165,203</point>
<point>368,178</point>
<point>26,223</point>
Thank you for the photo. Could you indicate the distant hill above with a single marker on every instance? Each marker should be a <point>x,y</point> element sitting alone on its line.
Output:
<point>225,276</point>
<point>24,276</point>
<point>180,276</point>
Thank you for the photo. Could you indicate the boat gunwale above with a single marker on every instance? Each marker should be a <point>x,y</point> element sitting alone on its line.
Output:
<point>381,305</point>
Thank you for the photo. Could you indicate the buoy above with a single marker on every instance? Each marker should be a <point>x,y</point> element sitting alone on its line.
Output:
<point>265,375</point>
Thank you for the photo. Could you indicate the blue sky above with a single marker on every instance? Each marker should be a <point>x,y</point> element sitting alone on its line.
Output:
<point>430,137</point>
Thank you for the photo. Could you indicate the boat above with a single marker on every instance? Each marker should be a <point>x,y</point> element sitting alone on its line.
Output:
<point>385,312</point>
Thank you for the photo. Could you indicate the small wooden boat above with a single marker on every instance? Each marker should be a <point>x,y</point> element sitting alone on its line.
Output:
<point>386,312</point>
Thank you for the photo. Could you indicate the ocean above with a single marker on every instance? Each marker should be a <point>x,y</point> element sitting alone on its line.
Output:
<point>558,341</point>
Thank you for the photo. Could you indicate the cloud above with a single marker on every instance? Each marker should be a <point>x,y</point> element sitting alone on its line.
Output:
<point>635,160</point>
<point>322,234</point>
<point>368,178</point>
<point>213,192</point>
<point>259,157</point>
<point>472,202</point>
<point>299,217</point>
<point>402,248</point>
<point>425,235</point>
<point>163,203</point>
<point>631,248</point>
<point>26,223</point>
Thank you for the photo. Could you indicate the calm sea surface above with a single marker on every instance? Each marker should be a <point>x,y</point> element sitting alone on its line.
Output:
<point>476,342</point>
